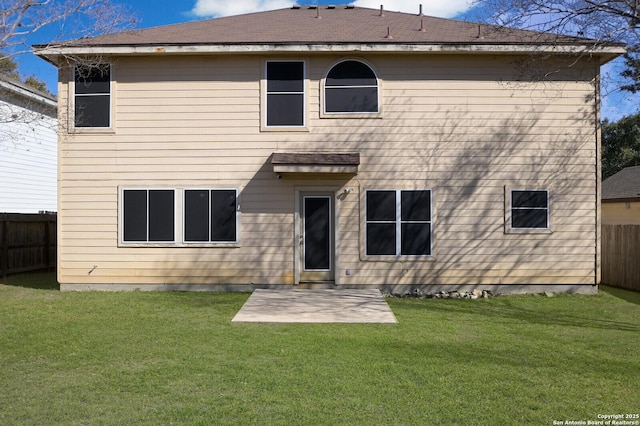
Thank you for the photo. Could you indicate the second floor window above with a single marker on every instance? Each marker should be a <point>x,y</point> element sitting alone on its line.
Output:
<point>351,87</point>
<point>285,94</point>
<point>92,96</point>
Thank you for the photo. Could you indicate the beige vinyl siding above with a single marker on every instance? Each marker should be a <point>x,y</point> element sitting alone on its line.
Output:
<point>463,127</point>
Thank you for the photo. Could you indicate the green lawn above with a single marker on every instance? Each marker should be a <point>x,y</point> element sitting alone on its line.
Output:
<point>175,358</point>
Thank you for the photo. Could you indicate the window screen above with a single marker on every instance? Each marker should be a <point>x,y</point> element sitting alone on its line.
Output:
<point>398,223</point>
<point>529,209</point>
<point>285,94</point>
<point>415,222</point>
<point>92,102</point>
<point>381,222</point>
<point>351,87</point>
<point>148,215</point>
<point>210,215</point>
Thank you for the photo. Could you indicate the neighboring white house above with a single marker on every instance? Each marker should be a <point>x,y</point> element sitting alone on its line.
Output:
<point>28,149</point>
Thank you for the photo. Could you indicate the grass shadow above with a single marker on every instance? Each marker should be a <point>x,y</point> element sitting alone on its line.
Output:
<point>534,309</point>
<point>624,294</point>
<point>33,280</point>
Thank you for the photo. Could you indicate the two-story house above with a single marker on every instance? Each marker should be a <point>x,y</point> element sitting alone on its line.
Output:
<point>337,146</point>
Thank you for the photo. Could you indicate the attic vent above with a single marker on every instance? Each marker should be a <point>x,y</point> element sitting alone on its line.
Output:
<point>331,7</point>
<point>295,7</point>
<point>350,6</point>
<point>313,7</point>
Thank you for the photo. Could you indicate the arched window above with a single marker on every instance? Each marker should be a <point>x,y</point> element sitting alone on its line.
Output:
<point>351,87</point>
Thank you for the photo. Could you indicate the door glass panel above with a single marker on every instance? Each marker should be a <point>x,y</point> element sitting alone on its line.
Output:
<point>317,233</point>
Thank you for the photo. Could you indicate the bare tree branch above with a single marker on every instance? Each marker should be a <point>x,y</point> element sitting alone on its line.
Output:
<point>20,23</point>
<point>603,21</point>
<point>20,20</point>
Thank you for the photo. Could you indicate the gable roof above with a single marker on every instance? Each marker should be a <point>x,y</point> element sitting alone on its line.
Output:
<point>623,185</point>
<point>311,28</point>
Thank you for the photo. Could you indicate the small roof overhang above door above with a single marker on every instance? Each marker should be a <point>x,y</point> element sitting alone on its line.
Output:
<point>343,163</point>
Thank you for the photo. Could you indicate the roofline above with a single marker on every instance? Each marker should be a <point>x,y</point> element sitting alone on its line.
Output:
<point>607,51</point>
<point>27,92</point>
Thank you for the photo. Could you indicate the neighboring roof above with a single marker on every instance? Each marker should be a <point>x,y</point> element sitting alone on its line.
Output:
<point>28,97</point>
<point>623,185</point>
<point>318,26</point>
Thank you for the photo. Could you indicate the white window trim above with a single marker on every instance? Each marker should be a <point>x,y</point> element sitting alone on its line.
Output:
<point>305,108</point>
<point>323,90</point>
<point>508,229</point>
<point>72,104</point>
<point>398,223</point>
<point>178,218</point>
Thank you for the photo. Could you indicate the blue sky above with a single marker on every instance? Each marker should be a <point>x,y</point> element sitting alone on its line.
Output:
<point>163,12</point>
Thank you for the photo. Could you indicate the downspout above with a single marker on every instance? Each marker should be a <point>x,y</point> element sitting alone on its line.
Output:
<point>598,135</point>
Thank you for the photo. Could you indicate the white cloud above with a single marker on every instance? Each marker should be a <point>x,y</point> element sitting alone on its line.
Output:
<point>216,8</point>
<point>441,8</point>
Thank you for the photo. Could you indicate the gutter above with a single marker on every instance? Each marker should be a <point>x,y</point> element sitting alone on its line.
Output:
<point>607,52</point>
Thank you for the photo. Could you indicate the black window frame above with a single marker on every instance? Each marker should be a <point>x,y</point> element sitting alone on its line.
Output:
<point>150,219</point>
<point>277,92</point>
<point>97,97</point>
<point>214,234</point>
<point>332,87</point>
<point>525,208</point>
<point>395,221</point>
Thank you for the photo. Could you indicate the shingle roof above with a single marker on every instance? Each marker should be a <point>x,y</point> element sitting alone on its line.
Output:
<point>624,184</point>
<point>27,97</point>
<point>324,159</point>
<point>325,24</point>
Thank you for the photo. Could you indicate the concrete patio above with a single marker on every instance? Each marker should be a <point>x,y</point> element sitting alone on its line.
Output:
<point>316,306</point>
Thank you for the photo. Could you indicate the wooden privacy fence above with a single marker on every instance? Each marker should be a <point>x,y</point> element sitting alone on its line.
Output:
<point>621,256</point>
<point>27,242</point>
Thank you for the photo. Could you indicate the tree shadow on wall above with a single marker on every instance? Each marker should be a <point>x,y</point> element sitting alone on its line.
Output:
<point>469,155</point>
